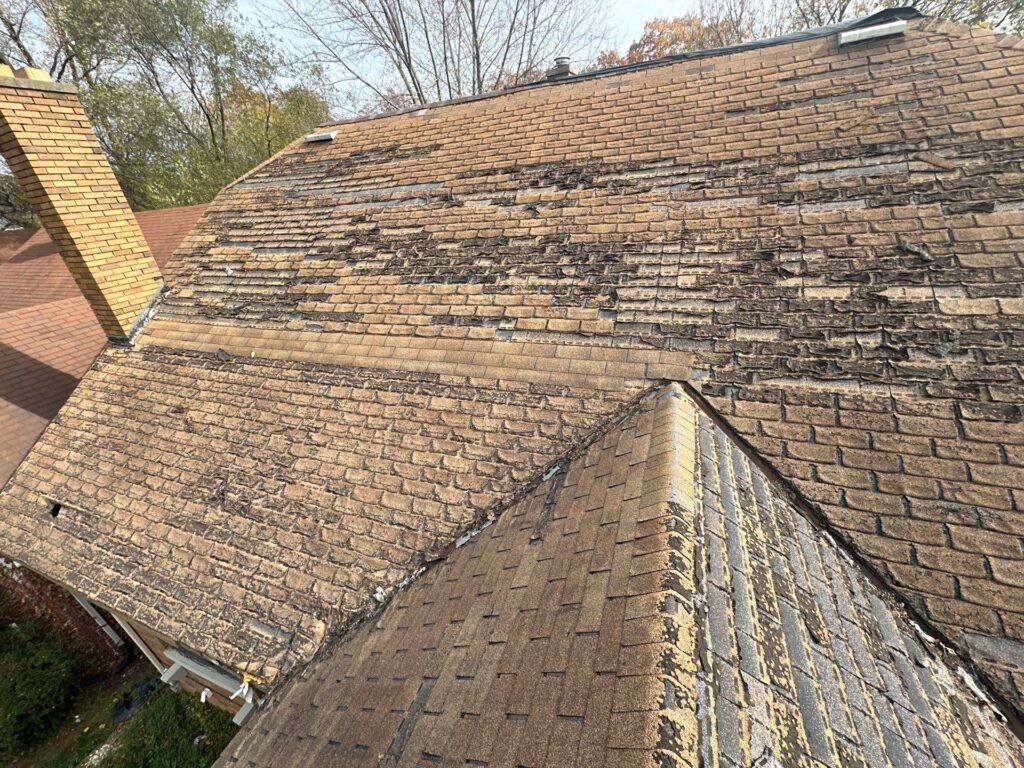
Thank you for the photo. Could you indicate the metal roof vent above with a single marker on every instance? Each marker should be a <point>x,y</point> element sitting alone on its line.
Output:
<point>891,29</point>
<point>327,136</point>
<point>561,68</point>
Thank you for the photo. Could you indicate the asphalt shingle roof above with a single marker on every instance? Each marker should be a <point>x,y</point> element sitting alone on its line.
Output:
<point>656,601</point>
<point>372,344</point>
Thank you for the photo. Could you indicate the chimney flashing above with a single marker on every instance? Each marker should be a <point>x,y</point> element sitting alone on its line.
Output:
<point>140,322</point>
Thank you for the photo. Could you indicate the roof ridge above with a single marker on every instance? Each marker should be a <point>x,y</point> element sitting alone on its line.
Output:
<point>338,634</point>
<point>708,575</point>
<point>879,17</point>
<point>678,714</point>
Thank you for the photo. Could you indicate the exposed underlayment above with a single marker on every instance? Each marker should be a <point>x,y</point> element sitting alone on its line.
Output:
<point>825,242</point>
<point>677,610</point>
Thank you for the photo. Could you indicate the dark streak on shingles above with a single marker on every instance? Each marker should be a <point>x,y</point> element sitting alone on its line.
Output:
<point>412,716</point>
<point>836,636</point>
<point>866,569</point>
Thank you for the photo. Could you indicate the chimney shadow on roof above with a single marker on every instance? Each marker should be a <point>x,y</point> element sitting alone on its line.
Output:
<point>34,251</point>
<point>31,384</point>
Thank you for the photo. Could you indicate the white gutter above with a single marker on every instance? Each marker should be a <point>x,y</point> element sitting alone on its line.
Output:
<point>188,663</point>
<point>91,610</point>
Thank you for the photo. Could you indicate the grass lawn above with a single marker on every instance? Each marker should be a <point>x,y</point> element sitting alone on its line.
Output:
<point>169,730</point>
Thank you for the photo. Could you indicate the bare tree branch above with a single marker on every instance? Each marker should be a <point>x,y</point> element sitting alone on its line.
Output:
<point>423,49</point>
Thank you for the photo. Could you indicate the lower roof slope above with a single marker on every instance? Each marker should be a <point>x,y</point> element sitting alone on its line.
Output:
<point>246,508</point>
<point>825,240</point>
<point>11,240</point>
<point>48,335</point>
<point>654,602</point>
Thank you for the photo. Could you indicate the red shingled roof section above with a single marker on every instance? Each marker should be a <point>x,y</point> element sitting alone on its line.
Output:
<point>48,334</point>
<point>11,240</point>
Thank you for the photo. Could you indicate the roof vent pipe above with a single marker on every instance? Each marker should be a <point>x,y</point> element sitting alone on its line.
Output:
<point>561,68</point>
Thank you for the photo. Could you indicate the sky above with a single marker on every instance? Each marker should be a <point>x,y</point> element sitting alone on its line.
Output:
<point>625,19</point>
<point>628,16</point>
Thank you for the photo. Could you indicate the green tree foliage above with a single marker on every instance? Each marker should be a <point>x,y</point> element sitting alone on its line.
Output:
<point>36,688</point>
<point>15,212</point>
<point>167,157</point>
<point>184,99</point>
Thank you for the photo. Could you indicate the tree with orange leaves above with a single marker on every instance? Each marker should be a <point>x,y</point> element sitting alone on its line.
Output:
<point>665,37</point>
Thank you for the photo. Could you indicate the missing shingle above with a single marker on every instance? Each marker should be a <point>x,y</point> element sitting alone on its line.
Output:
<point>516,716</point>
<point>671,696</point>
<point>55,508</point>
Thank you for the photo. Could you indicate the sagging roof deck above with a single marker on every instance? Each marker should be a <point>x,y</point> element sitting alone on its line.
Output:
<point>371,343</point>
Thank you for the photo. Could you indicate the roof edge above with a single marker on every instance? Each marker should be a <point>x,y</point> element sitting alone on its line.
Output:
<point>950,652</point>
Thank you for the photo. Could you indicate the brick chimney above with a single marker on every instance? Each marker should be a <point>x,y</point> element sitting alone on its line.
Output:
<point>50,146</point>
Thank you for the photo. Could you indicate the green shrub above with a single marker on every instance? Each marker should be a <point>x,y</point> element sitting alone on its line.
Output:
<point>37,681</point>
<point>165,731</point>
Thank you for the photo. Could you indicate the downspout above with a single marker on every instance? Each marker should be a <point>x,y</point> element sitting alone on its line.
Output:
<point>140,643</point>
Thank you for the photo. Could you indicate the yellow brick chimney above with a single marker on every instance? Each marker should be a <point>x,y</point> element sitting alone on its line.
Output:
<point>50,146</point>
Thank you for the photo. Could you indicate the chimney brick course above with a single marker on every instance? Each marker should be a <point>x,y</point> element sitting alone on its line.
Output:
<point>50,146</point>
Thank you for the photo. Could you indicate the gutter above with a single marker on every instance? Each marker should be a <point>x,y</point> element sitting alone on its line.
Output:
<point>98,618</point>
